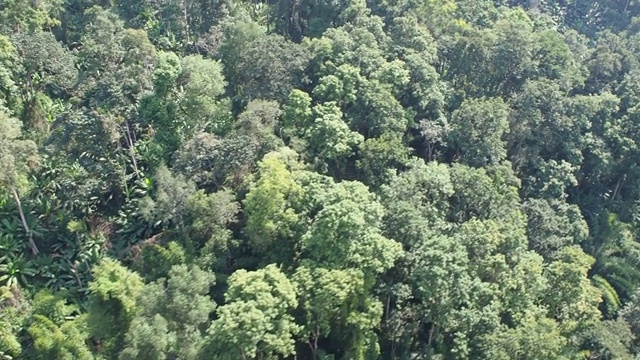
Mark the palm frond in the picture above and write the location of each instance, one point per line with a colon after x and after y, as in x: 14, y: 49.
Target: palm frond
x: 609, y: 294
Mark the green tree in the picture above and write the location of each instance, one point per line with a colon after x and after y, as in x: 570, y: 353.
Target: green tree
x: 209, y: 218
x: 214, y: 162
x: 297, y: 113
x: 16, y: 157
x: 338, y: 309
x: 330, y: 140
x: 201, y: 83
x: 553, y: 225
x: 485, y: 193
x: 416, y: 201
x: 23, y: 16
x: 610, y: 339
x: 156, y: 261
x: 186, y: 101
x: 54, y: 334
x: 112, y: 305
x: 255, y: 321
x: 513, y: 54
x: 9, y: 91
x: 259, y: 65
x: 537, y: 338
x: 379, y: 157
x: 14, y: 312
x: 479, y: 127
x: 169, y: 205
x: 615, y: 252
x: 574, y: 301
x: 271, y: 220
x: 171, y: 317
x: 116, y: 64
x: 346, y: 232
x: 45, y: 68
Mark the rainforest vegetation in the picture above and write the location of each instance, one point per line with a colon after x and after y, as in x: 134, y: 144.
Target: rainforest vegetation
x: 319, y: 179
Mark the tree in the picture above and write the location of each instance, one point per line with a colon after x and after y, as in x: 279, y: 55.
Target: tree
x: 553, y: 225
x: 45, y: 68
x: 112, y: 304
x: 454, y: 270
x: 630, y: 313
x: 171, y: 317
x: 514, y: 51
x: 610, y: 339
x: 574, y: 301
x: 169, y: 205
x: 341, y: 85
x: 297, y: 113
x: 470, y: 285
x: 381, y: 156
x: 485, y: 193
x: 556, y: 61
x: 416, y: 47
x: 23, y: 16
x: 116, y: 66
x: 337, y: 309
x: 541, y: 109
x: 116, y: 63
x: 210, y: 215
x: 538, y: 338
x: 479, y: 126
x: 53, y: 334
x: 330, y: 140
x: 186, y: 102
x: 9, y: 91
x: 14, y: 312
x: 16, y: 157
x: 335, y: 303
x: 90, y: 142
x: 615, y: 252
x: 259, y: 65
x: 214, y: 162
x: 346, y: 232
x: 155, y: 261
x: 271, y: 221
x: 417, y: 202
x: 377, y: 110
x: 255, y: 321
x: 201, y: 83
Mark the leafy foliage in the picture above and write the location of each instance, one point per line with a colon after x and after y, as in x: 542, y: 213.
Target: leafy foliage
x: 432, y: 179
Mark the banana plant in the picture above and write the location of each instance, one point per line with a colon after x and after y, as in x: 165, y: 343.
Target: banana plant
x: 10, y: 246
x: 16, y: 271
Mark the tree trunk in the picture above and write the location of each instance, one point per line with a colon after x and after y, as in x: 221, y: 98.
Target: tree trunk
x: 33, y: 246
x: 431, y: 333
x: 313, y: 342
x: 131, y: 151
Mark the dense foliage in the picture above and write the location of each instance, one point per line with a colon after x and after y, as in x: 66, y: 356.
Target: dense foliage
x: 228, y: 179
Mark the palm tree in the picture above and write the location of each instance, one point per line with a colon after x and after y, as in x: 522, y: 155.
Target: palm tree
x: 617, y: 269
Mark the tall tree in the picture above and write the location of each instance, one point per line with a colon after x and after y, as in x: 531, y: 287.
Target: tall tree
x: 171, y: 316
x: 255, y: 321
x: 112, y: 305
x: 16, y: 156
x: 479, y: 127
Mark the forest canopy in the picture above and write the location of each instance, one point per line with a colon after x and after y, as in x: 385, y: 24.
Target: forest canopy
x: 320, y: 179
